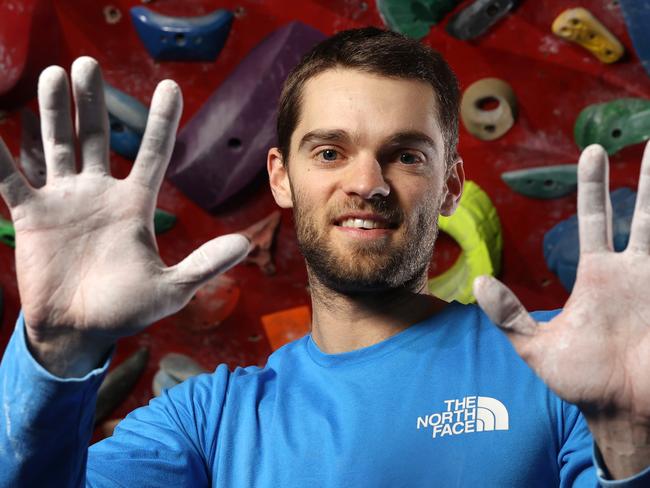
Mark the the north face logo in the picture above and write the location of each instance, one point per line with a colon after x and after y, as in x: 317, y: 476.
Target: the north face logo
x: 465, y: 415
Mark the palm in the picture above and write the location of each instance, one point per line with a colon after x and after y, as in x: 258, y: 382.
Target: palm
x: 596, y: 352
x: 86, y: 255
x: 101, y: 252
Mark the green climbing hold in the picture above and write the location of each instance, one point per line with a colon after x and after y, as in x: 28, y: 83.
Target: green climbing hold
x: 7, y: 233
x: 614, y: 125
x: 163, y: 221
x: 543, y: 182
x: 414, y: 18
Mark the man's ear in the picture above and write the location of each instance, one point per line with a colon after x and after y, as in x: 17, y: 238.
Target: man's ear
x: 454, y: 188
x: 279, y: 178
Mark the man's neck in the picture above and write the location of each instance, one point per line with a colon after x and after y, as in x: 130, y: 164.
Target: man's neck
x: 343, y: 322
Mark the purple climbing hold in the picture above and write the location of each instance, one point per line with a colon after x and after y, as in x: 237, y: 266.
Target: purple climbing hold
x: 224, y: 145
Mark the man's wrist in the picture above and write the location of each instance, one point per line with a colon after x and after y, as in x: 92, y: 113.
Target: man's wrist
x: 623, y: 443
x: 70, y: 354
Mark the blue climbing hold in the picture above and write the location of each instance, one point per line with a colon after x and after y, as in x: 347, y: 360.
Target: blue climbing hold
x: 562, y: 245
x: 182, y: 38
x: 637, y: 17
x: 125, y: 141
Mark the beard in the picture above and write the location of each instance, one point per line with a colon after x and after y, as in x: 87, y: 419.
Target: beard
x: 370, y: 266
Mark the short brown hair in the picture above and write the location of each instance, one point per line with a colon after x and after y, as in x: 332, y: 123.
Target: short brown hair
x: 379, y: 52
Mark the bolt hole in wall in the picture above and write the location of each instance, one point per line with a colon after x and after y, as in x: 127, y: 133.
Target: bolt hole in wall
x: 112, y: 14
x: 492, y: 10
x: 234, y: 143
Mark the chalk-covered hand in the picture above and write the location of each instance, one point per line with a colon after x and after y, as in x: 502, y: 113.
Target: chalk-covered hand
x: 87, y: 262
x: 596, y: 352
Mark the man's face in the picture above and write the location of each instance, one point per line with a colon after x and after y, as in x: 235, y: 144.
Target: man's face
x: 367, y: 179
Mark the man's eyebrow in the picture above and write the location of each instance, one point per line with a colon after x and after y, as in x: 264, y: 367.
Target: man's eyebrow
x: 411, y: 137
x: 339, y: 135
x: 329, y: 135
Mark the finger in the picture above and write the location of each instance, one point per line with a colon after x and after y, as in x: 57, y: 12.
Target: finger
x: 56, y: 122
x: 640, y: 230
x: 14, y: 188
x: 32, y: 159
x: 159, y: 136
x: 505, y: 310
x: 594, y: 204
x: 92, y: 117
x: 213, y: 257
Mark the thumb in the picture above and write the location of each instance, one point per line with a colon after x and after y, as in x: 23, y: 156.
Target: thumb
x: 505, y: 310
x: 212, y: 258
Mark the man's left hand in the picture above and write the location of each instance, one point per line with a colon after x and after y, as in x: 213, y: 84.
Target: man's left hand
x: 596, y: 352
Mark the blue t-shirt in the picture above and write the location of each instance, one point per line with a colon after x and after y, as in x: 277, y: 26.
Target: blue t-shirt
x: 446, y: 402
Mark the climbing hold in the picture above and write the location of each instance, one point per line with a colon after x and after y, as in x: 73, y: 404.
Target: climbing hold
x: 31, y: 39
x: 212, y: 304
x: 562, y: 243
x: 286, y: 325
x: 261, y: 234
x: 614, y: 125
x: 163, y: 221
x: 413, y: 18
x: 7, y: 233
x: 637, y: 17
x: 543, y: 182
x: 161, y: 382
x: 126, y: 108
x: 174, y: 369
x: 224, y: 145
x: 128, y: 119
x: 477, y: 18
x: 580, y: 26
x: 119, y: 383
x: 124, y: 140
x: 180, y: 367
x: 488, y: 108
x: 475, y: 226
x: 182, y: 38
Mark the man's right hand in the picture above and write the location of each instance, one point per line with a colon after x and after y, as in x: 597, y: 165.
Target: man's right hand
x: 87, y: 262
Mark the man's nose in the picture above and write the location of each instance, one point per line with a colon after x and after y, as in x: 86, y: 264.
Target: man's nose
x: 365, y: 178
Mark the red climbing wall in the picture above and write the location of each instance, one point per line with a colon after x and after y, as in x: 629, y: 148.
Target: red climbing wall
x: 552, y: 79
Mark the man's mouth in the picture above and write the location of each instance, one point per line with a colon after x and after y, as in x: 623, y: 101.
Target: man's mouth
x: 365, y: 222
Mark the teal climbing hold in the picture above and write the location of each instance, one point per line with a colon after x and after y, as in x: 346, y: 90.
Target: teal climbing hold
x: 163, y: 221
x: 414, y: 18
x: 543, y: 182
x: 614, y: 125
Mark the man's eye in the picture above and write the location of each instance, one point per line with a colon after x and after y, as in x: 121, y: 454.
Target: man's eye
x: 408, y: 158
x: 329, y: 155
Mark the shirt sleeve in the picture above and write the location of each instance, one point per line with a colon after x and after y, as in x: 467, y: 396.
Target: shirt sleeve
x: 640, y: 480
x: 170, y: 442
x: 46, y: 421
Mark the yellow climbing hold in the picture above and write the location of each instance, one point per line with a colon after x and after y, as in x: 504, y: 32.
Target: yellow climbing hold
x: 475, y: 226
x: 580, y: 26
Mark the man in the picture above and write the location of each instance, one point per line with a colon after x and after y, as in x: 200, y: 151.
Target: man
x: 392, y: 387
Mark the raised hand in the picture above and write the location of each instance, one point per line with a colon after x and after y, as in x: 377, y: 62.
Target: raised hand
x: 596, y: 352
x: 87, y: 263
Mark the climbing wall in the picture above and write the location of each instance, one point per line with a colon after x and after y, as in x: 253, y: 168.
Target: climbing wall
x: 553, y: 80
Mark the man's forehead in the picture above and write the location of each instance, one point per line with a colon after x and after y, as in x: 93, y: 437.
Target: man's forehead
x: 343, y: 102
